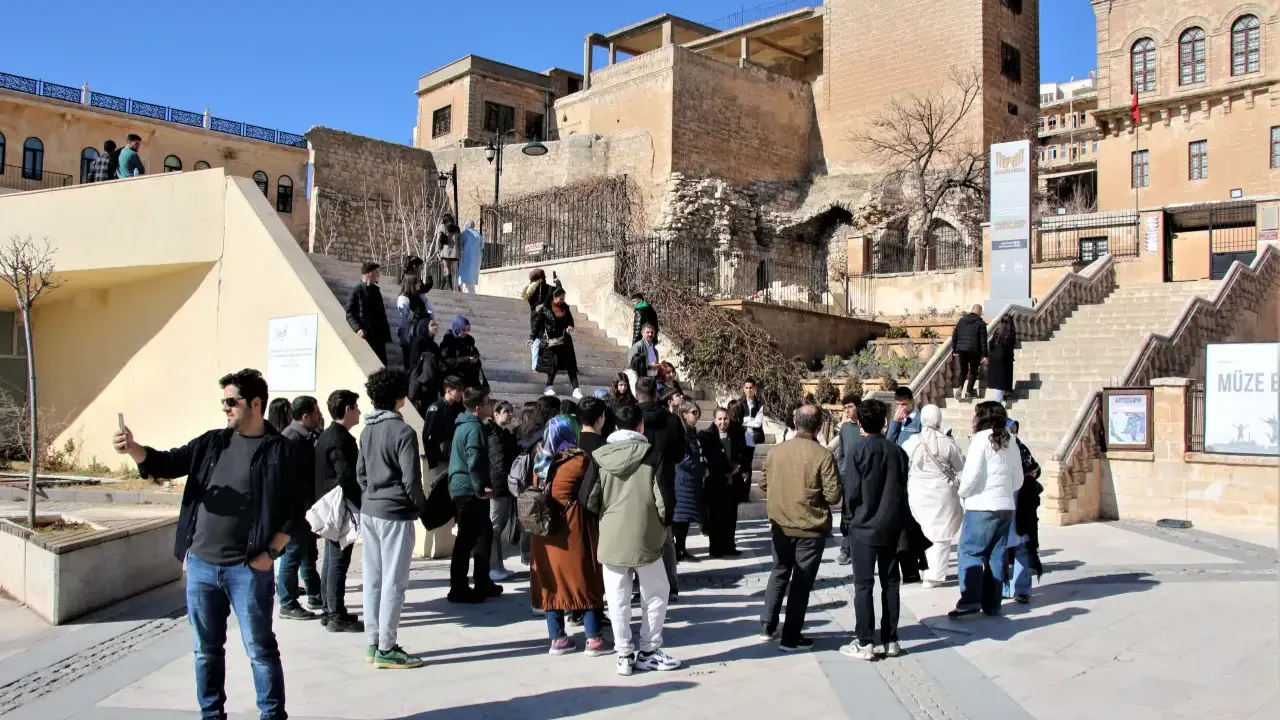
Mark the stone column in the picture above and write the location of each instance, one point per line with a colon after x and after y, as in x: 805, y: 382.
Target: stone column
x: 668, y: 33
x: 613, y: 53
x: 744, y: 51
x: 1169, y: 434
x: 587, y: 47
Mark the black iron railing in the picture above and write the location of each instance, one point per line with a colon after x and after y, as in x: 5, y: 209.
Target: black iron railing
x: 1085, y: 238
x: 119, y: 104
x: 760, y: 12
x: 895, y: 252
x: 16, y: 177
x: 571, y: 221
x: 1195, y: 417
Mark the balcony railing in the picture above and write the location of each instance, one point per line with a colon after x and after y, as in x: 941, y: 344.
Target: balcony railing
x: 16, y: 177
x: 128, y: 106
x: 747, y: 16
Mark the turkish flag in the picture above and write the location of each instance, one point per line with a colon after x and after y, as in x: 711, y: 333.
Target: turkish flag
x: 1137, y: 117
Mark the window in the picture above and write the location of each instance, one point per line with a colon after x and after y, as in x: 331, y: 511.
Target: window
x: 201, y: 165
x: 1014, y: 5
x: 260, y: 179
x: 1092, y: 248
x: 1143, y: 57
x: 442, y: 121
x: 284, y: 194
x: 33, y: 159
x: 1053, y: 123
x: 172, y: 164
x: 1198, y: 159
x: 1040, y: 124
x: 1191, y: 63
x: 1095, y: 147
x: 533, y: 126
x: 13, y: 336
x: 575, y: 85
x: 87, y: 156
x: 1275, y: 147
x: 499, y: 118
x: 1010, y: 62
x: 1140, y: 175
x: 1084, y: 118
x: 1053, y: 152
x: 1, y: 153
x: 1246, y: 45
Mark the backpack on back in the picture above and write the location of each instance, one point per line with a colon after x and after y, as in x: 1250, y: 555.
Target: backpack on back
x: 537, y: 513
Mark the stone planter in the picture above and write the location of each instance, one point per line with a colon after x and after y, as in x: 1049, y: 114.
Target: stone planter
x: 810, y: 385
x: 944, y: 326
x: 901, y: 347
x: 64, y: 574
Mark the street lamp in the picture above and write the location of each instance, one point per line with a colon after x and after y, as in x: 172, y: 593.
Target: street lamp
x: 443, y: 179
x: 493, y: 154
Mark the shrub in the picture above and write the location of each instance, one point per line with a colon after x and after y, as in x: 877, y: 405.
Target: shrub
x: 895, y: 333
x: 928, y: 333
x: 852, y: 386
x: 827, y: 394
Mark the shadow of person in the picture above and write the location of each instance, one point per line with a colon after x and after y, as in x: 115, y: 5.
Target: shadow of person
x: 554, y: 704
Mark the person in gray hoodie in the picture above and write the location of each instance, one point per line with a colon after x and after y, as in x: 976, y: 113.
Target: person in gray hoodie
x: 630, y: 500
x: 390, y: 476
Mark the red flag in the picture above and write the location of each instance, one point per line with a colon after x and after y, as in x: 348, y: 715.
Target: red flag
x: 1137, y: 117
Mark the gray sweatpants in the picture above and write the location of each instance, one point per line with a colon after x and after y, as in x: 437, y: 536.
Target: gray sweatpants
x: 388, y: 548
x: 500, y: 509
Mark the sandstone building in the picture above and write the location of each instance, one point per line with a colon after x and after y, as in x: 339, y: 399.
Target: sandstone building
x: 1067, y: 135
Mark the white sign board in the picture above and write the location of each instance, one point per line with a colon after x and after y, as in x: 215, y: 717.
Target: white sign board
x: 1152, y: 233
x: 1127, y: 419
x: 291, y: 353
x: 1241, y: 398
x: 1010, y: 226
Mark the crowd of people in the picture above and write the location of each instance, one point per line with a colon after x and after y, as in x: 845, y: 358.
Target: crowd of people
x: 595, y: 495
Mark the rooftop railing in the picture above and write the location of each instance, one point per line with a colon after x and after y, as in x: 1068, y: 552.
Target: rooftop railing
x: 747, y: 15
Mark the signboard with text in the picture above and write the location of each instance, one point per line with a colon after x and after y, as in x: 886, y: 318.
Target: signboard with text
x: 1241, y: 398
x: 291, y: 354
x: 1010, y: 226
x: 1128, y: 417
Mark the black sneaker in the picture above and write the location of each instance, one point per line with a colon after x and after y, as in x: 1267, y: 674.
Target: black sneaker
x: 295, y: 612
x: 315, y: 603
x: 799, y: 644
x: 1022, y: 599
x: 465, y: 596
x: 348, y: 624
x: 961, y: 612
x: 733, y: 552
x: 488, y: 590
x: 573, y: 618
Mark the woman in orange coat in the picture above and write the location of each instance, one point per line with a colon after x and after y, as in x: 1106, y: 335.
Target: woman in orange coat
x: 564, y: 573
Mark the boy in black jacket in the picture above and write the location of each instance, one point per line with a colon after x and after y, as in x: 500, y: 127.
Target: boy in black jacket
x: 366, y: 313
x: 336, y: 456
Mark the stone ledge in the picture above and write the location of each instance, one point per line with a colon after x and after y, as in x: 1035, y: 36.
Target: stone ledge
x: 1134, y: 455
x: 1171, y: 382
x: 1237, y: 460
x: 543, y: 263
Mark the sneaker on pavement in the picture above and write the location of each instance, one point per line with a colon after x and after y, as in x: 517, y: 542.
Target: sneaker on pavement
x: 315, y: 603
x: 562, y: 646
x: 929, y: 584
x: 465, y: 596
x: 549, y: 392
x: 799, y: 644
x: 626, y: 664
x: 346, y: 624
x: 499, y: 575
x: 577, y: 394
x: 656, y: 660
x: 843, y: 559
x: 369, y: 652
x: 893, y: 649
x: 597, y: 648
x: 573, y: 618
x: 1022, y: 599
x: 295, y: 612
x: 396, y: 659
x: 858, y: 652
x: 767, y: 634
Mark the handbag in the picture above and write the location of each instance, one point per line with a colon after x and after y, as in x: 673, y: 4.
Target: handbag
x: 946, y: 468
x: 439, y: 509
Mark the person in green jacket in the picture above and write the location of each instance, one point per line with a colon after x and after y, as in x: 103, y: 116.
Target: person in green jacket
x: 470, y: 489
x: 130, y: 161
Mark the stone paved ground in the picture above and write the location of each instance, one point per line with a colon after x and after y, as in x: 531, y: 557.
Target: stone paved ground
x: 1130, y: 622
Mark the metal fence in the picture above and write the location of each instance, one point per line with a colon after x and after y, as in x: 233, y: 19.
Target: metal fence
x: 16, y: 177
x: 716, y: 273
x: 564, y: 222
x: 119, y: 104
x: 1195, y: 417
x: 1085, y: 238
x: 747, y: 15
x: 943, y: 248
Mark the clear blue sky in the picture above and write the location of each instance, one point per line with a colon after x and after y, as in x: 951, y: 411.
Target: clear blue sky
x: 354, y: 65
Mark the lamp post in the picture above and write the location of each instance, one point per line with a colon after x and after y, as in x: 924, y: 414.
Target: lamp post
x: 493, y: 154
x: 444, y: 179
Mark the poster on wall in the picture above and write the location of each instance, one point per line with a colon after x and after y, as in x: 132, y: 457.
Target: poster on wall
x: 1128, y: 418
x: 291, y: 353
x: 1010, y: 226
x: 1241, y: 398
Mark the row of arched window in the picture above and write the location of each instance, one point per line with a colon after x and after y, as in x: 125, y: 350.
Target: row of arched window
x: 1246, y: 55
x: 32, y: 158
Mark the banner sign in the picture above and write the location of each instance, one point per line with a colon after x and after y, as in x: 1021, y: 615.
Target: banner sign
x: 1241, y: 398
x: 1010, y: 226
x: 1129, y: 418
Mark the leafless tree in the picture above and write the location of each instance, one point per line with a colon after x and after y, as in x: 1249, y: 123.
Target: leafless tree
x: 403, y: 221
x: 27, y: 266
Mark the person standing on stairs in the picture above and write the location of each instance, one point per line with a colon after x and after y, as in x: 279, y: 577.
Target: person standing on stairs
x: 969, y: 341
x: 932, y: 476
x: 459, y: 356
x: 415, y: 313
x: 553, y: 327
x: 666, y: 433
x: 642, y: 357
x: 690, y: 479
x: 538, y: 294
x: 1000, y: 349
x: 366, y: 313
x: 644, y: 315
x: 449, y: 244
x: 428, y: 370
x: 439, y: 424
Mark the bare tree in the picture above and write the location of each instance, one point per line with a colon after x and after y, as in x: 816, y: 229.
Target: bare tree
x: 28, y: 268
x: 404, y: 221
x: 928, y: 145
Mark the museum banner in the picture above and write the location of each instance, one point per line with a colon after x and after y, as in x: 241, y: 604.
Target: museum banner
x: 1241, y: 398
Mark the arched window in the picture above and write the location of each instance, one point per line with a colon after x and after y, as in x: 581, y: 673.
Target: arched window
x: 1191, y: 63
x: 87, y: 156
x: 260, y: 178
x: 172, y: 163
x: 33, y: 159
x: 1246, y: 45
x: 201, y: 165
x: 941, y: 245
x: 1143, y: 57
x: 284, y: 194
x: 1, y: 153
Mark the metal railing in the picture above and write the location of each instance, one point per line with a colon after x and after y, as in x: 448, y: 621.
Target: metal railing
x: 746, y: 15
x: 1195, y: 417
x: 119, y: 104
x: 895, y: 252
x: 571, y: 221
x: 15, y: 177
x: 1085, y: 238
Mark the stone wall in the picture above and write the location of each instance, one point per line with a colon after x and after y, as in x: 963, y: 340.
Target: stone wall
x: 808, y: 334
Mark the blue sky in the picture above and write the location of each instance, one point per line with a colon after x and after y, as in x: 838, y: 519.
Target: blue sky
x: 349, y: 65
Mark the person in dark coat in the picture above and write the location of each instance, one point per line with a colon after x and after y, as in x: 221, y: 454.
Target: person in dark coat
x: 459, y: 356
x: 538, y: 294
x: 366, y: 313
x: 969, y: 342
x: 690, y: 475
x: 336, y: 456
x: 1000, y: 348
x: 720, y: 450
x: 504, y: 448
x: 553, y: 328
x: 665, y: 432
x: 644, y: 315
x: 428, y: 369
x: 1023, y: 556
x: 300, y: 555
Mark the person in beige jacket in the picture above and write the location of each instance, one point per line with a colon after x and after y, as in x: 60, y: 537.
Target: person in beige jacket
x: 801, y: 486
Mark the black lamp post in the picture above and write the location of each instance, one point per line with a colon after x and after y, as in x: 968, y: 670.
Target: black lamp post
x: 444, y: 179
x: 493, y: 153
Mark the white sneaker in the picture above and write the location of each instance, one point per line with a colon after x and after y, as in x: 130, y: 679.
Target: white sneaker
x: 499, y: 575
x: 577, y: 394
x: 893, y: 649
x: 858, y: 652
x: 656, y: 660
x: 929, y: 584
x: 550, y: 391
x: 626, y: 664
x: 956, y: 393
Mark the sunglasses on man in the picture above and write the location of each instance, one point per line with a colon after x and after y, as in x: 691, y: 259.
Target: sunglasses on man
x: 231, y: 402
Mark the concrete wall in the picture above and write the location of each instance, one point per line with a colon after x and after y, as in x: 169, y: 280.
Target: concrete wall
x: 808, y: 334
x: 915, y: 293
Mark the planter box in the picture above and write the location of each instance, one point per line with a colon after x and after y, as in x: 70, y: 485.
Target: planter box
x: 810, y: 385
x: 898, y: 347
x: 913, y: 325
x: 65, y: 574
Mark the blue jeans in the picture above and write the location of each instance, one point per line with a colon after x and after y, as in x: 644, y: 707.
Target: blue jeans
x: 213, y: 591
x: 1020, y: 583
x: 984, y: 535
x: 590, y: 623
x: 298, y: 559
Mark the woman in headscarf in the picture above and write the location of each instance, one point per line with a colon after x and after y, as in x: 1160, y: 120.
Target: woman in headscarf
x: 469, y: 266
x: 1023, y: 557
x: 553, y: 326
x: 932, y: 478
x: 564, y: 575
x: 459, y: 355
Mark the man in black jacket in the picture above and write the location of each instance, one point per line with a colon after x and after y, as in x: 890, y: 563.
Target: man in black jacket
x: 439, y: 423
x: 300, y: 555
x: 875, y: 491
x: 335, y: 457
x: 644, y: 315
x: 239, y: 507
x: 665, y: 432
x: 504, y: 448
x: 366, y: 313
x: 969, y: 340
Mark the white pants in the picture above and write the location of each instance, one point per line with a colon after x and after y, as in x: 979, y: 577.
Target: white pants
x: 388, y: 549
x: 653, y: 605
x: 938, y: 556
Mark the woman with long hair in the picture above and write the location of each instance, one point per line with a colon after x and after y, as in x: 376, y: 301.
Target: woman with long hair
x: 458, y: 353
x: 620, y: 391
x: 1000, y: 350
x: 280, y: 413
x: 448, y: 242
x: 415, y: 311
x: 992, y: 475
x: 933, y: 474
x: 691, y: 475
x: 553, y: 326
x: 1023, y: 556
x: 564, y: 574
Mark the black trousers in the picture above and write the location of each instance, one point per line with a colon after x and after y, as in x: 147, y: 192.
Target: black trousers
x: 795, y: 568
x: 379, y: 348
x: 844, y: 534
x: 721, y: 524
x: 474, y: 541
x: 573, y: 378
x: 868, y: 561
x: 682, y: 533
x: 337, y: 560
x: 970, y: 362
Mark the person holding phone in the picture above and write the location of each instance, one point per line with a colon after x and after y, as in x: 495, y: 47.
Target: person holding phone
x: 239, y: 507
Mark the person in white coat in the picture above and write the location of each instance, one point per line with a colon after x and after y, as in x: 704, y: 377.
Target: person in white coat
x: 992, y: 475
x: 932, y: 482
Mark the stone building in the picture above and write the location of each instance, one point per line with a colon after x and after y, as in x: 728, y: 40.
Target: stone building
x: 49, y: 133
x: 1067, y: 136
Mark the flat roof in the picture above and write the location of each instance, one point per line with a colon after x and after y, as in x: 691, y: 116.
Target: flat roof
x: 639, y: 38
x: 794, y: 35
x: 481, y: 65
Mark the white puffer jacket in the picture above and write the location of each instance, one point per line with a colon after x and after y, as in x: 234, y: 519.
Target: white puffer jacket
x: 990, y: 478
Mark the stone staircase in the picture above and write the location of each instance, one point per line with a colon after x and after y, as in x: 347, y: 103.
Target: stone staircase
x: 1088, y: 351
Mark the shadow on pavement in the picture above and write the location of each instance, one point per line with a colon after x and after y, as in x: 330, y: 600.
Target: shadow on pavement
x: 570, y: 702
